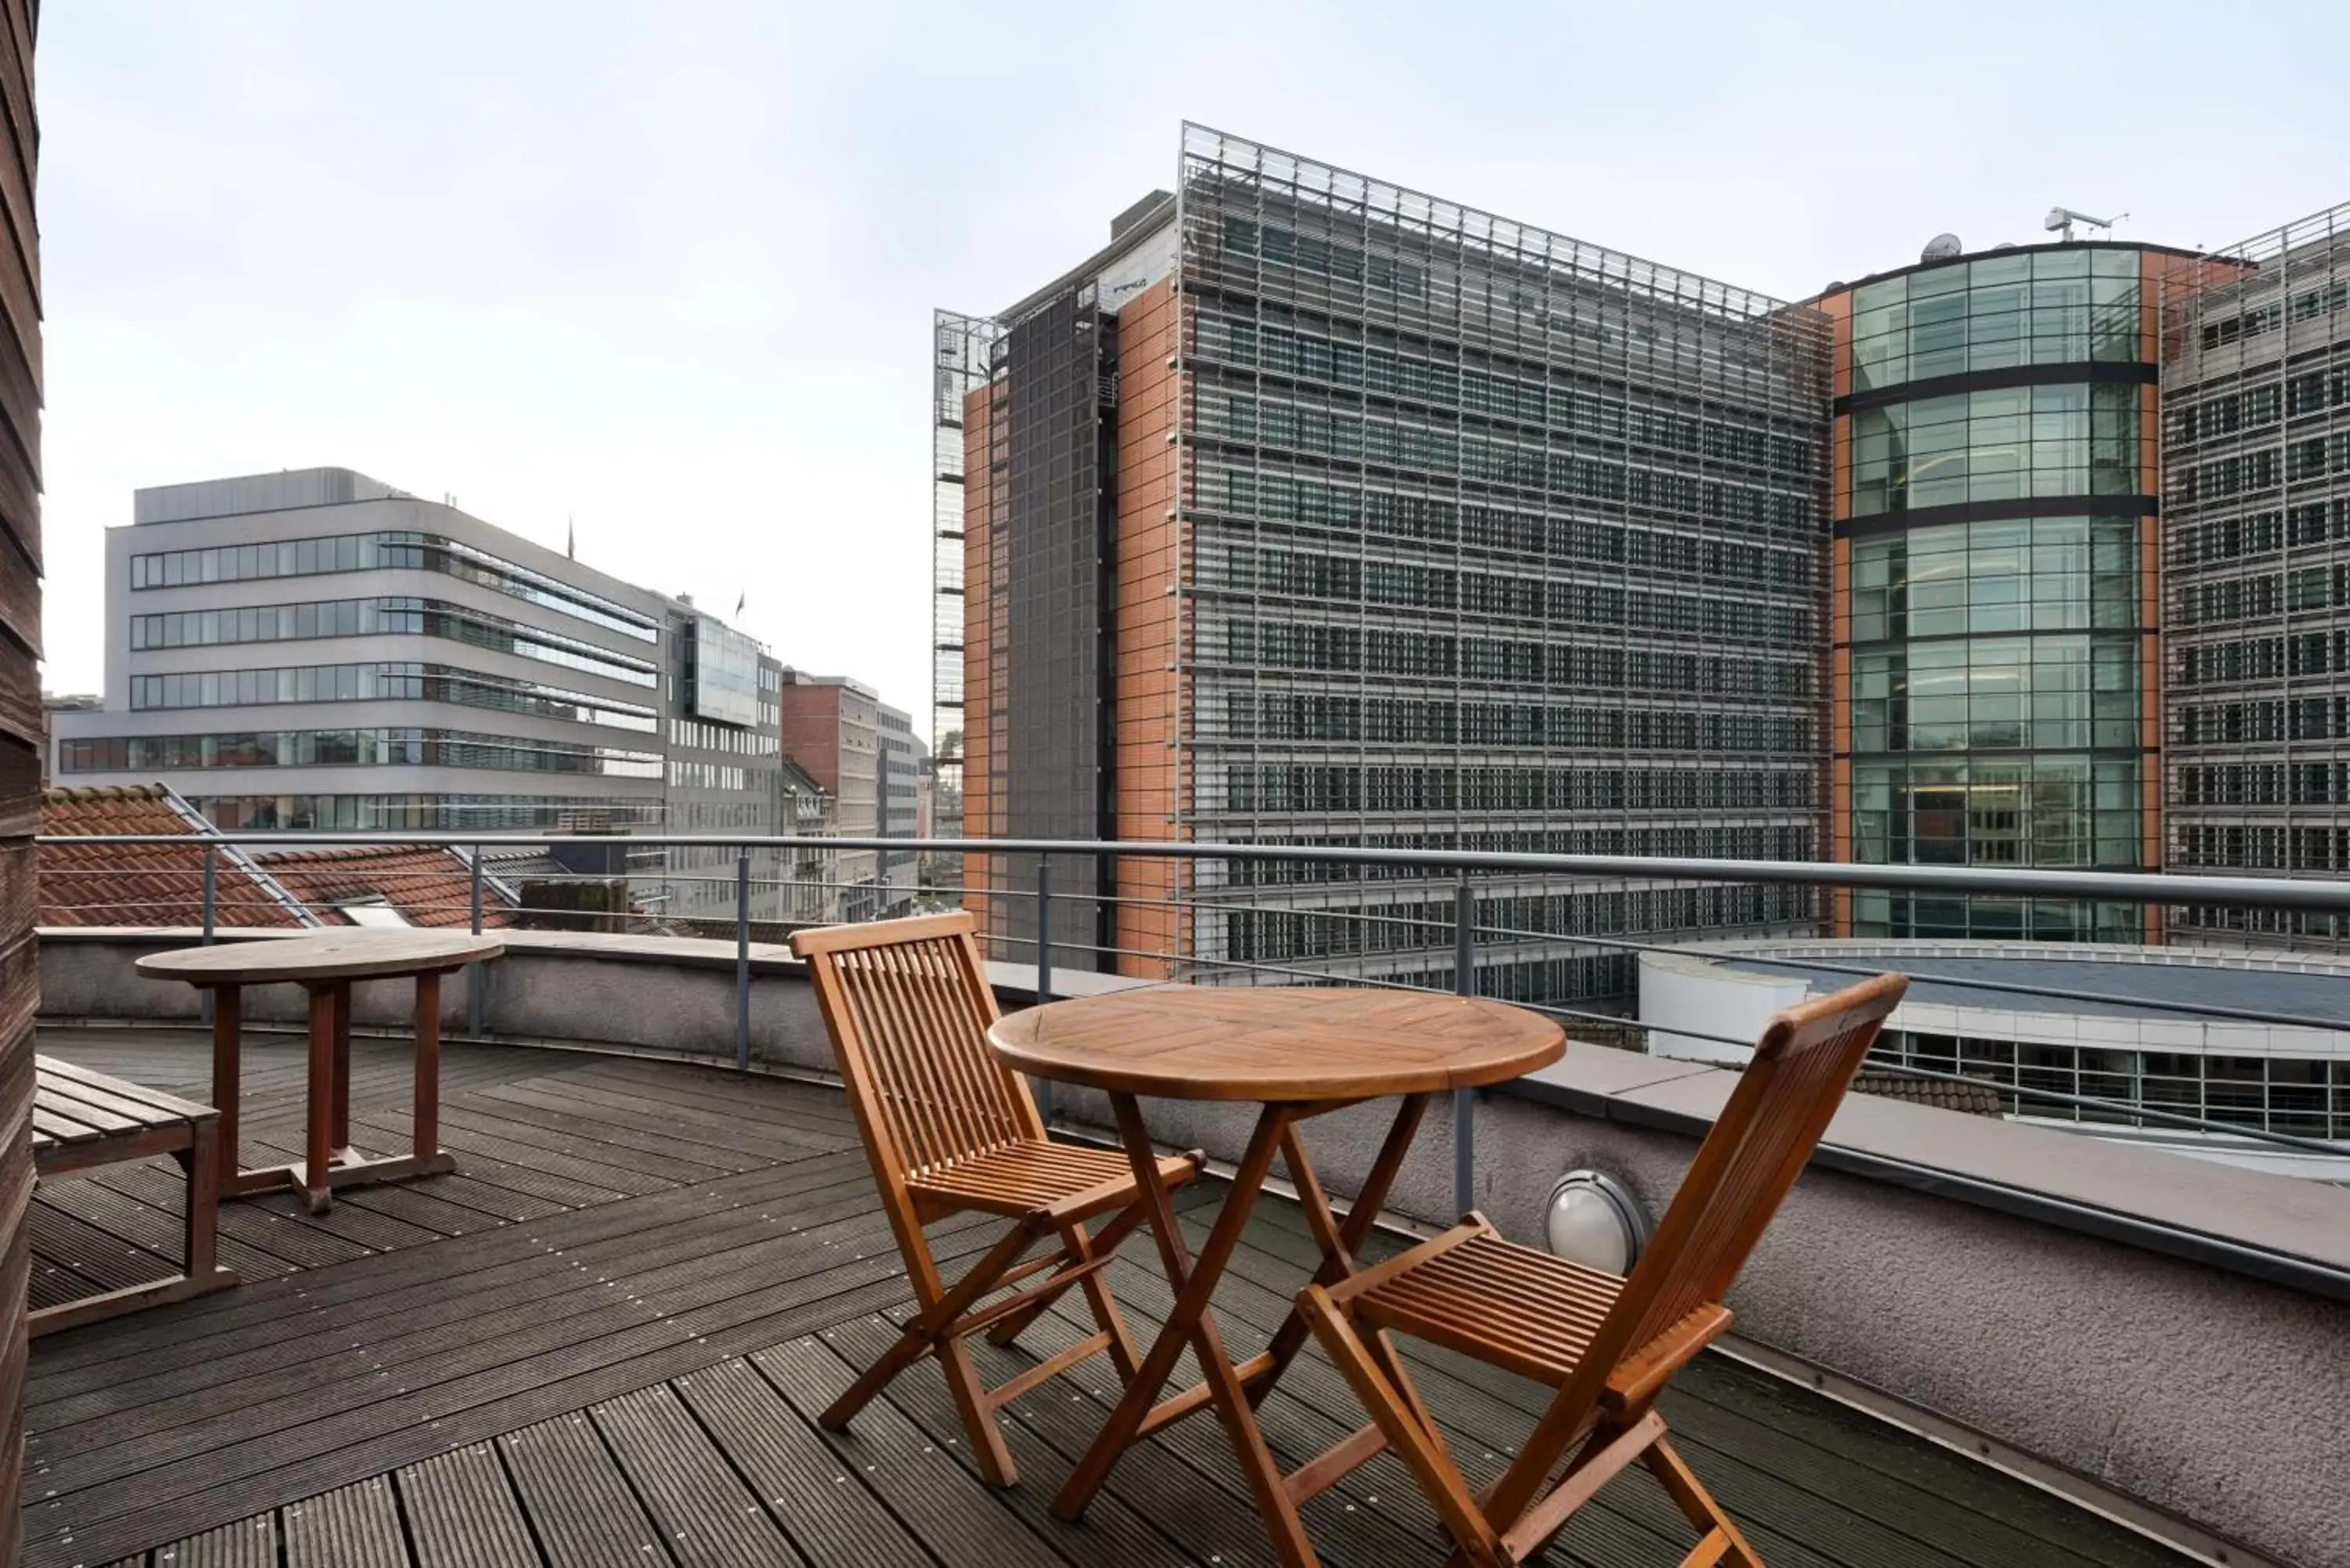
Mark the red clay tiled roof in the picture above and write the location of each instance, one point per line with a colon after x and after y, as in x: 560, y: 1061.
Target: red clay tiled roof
x: 431, y: 887
x: 144, y: 883
x: 1975, y: 1099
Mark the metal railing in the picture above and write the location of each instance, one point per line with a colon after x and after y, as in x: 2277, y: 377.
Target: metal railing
x: 235, y: 886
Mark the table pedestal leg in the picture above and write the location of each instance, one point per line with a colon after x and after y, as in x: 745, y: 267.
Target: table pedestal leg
x: 317, y: 1148
x: 341, y: 1132
x: 227, y: 1077
x: 426, y: 1119
x: 1191, y: 1322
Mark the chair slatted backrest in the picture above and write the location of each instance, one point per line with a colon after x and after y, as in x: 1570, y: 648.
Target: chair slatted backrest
x: 1784, y: 1101
x: 909, y: 1005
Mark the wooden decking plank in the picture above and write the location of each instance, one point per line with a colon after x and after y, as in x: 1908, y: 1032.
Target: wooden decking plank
x: 53, y: 1283
x: 830, y: 1514
x: 89, y: 1251
x: 74, y: 1361
x: 246, y: 1544
x: 355, y: 1526
x: 1626, y: 1522
x: 376, y: 1232
x: 1844, y: 1438
x: 646, y: 1149
x: 1160, y: 1514
x: 450, y: 1312
x: 294, y: 1246
x: 415, y: 1202
x: 1344, y: 1530
x: 818, y: 1113
x: 708, y: 1518
x: 463, y: 1513
x: 578, y: 1502
x: 709, y: 1078
x: 526, y: 1143
x: 476, y: 1163
x: 156, y: 1230
x: 1757, y: 1479
x: 465, y: 1189
x: 327, y: 1454
x: 689, y: 1128
x: 944, y: 1505
x: 350, y: 1364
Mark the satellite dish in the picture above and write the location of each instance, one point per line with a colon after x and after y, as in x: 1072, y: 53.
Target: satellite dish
x: 1941, y: 248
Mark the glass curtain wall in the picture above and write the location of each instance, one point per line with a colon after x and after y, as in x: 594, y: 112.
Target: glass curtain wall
x: 1991, y: 501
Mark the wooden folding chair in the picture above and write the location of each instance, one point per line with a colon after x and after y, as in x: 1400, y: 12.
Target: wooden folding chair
x: 949, y: 1129
x: 1606, y: 1343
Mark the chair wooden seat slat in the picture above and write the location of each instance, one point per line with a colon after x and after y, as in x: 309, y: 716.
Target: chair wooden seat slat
x: 1607, y: 1344
x: 83, y: 1120
x: 949, y: 1129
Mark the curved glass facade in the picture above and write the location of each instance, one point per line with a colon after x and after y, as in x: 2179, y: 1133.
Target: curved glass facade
x: 1993, y: 593
x: 2061, y: 306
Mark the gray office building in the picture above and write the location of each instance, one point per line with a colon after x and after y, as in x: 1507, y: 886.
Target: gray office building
x: 316, y: 650
x: 2256, y: 656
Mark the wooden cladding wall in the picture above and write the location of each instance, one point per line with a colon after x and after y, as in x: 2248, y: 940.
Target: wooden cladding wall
x: 20, y: 716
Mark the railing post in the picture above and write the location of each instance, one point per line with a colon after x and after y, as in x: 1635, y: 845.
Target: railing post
x: 475, y: 973
x: 1044, y: 966
x: 1465, y: 1101
x: 742, y: 960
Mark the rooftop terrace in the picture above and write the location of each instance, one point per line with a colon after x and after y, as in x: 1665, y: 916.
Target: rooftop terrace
x: 601, y: 1343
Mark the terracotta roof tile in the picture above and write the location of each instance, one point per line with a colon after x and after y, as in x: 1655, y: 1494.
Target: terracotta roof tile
x: 144, y: 883
x: 1974, y: 1099
x: 431, y: 887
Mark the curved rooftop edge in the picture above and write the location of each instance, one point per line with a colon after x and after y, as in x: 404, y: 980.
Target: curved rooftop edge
x: 2057, y: 1295
x: 586, y: 989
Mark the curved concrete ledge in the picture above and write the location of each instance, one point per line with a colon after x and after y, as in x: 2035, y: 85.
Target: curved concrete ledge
x: 2013, y: 1279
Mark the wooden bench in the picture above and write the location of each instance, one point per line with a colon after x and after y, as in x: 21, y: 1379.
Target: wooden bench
x: 83, y: 1120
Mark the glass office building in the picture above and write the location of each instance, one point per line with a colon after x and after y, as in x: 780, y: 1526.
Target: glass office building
x: 1996, y: 517
x: 1314, y: 510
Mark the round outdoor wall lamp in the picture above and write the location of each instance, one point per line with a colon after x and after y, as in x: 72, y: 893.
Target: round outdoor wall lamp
x: 1593, y: 1218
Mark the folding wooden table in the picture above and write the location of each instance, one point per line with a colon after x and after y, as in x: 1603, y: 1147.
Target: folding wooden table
x: 1298, y: 1052
x: 324, y: 964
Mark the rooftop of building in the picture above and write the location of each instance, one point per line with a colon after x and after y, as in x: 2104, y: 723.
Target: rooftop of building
x: 109, y: 884
x: 149, y: 884
x: 421, y: 885
x: 1961, y: 257
x: 287, y: 489
x: 2097, y: 980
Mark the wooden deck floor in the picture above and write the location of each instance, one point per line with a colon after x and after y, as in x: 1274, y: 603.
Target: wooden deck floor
x: 603, y: 1340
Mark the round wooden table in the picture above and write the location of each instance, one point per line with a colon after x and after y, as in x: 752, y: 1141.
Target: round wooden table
x: 1298, y: 1052
x: 325, y: 965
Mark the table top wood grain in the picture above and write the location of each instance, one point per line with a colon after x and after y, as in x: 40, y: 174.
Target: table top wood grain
x: 355, y: 954
x: 1276, y: 1043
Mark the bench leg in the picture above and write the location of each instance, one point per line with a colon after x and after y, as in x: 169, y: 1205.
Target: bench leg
x: 202, y: 1232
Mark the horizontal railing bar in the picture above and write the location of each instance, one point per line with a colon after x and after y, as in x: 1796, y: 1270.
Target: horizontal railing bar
x: 2328, y: 895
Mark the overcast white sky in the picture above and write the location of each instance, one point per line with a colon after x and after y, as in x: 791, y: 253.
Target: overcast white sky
x: 669, y: 268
